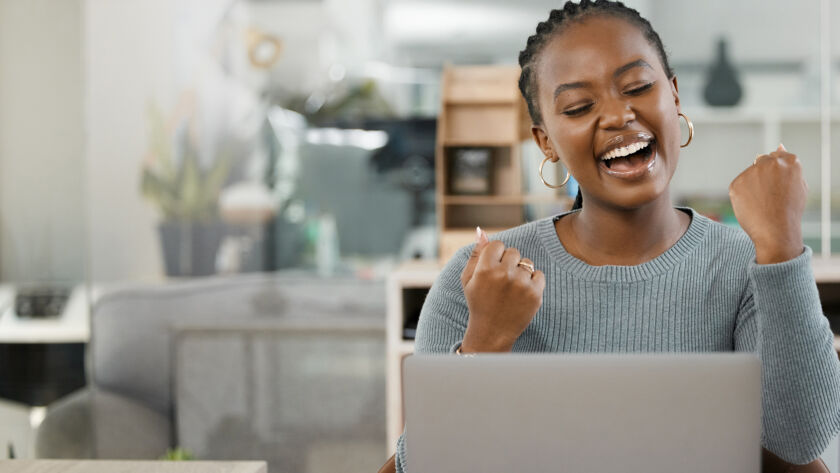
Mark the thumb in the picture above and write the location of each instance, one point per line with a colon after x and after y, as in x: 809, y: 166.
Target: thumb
x: 481, y: 241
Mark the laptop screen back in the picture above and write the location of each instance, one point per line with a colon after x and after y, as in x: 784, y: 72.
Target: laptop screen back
x: 639, y: 413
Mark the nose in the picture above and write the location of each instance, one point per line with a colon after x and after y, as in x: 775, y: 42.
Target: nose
x: 617, y: 113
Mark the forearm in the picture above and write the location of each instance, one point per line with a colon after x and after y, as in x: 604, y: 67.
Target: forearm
x: 770, y: 463
x: 801, y: 381
x: 389, y: 466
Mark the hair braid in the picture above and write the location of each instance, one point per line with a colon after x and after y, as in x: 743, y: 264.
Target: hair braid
x: 573, y: 12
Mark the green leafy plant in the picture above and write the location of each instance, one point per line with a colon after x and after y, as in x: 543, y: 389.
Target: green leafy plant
x: 173, y: 178
x: 178, y: 454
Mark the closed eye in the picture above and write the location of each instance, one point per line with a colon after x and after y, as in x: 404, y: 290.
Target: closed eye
x: 639, y: 90
x: 577, y: 111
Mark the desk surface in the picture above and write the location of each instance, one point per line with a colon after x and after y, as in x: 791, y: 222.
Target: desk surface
x: 115, y: 466
x: 72, y: 327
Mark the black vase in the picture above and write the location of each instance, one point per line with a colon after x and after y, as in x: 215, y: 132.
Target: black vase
x: 189, y: 248
x: 722, y: 86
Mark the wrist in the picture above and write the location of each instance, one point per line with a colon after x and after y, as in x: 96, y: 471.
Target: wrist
x: 473, y: 343
x: 777, y: 255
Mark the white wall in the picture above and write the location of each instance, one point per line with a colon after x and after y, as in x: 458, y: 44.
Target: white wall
x: 136, y: 54
x: 128, y: 63
x: 41, y: 141
x: 759, y: 30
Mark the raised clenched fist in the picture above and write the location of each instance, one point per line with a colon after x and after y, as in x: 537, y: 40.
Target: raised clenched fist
x: 502, y: 296
x: 769, y: 199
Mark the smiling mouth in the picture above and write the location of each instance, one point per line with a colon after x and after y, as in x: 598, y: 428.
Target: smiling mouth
x: 630, y: 160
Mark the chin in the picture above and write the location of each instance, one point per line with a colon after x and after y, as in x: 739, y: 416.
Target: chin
x: 636, y: 198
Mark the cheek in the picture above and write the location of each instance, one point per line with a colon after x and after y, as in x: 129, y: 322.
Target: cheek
x: 574, y: 145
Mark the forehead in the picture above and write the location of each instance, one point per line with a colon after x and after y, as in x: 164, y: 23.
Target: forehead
x: 591, y: 48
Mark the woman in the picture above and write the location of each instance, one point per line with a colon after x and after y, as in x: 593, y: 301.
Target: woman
x: 628, y: 272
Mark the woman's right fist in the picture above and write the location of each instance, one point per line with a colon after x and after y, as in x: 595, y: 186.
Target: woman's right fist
x: 502, y: 296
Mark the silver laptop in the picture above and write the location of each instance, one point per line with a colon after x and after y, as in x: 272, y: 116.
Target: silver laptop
x: 640, y: 413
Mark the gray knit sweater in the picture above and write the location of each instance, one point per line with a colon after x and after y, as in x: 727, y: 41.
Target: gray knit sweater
x: 704, y: 294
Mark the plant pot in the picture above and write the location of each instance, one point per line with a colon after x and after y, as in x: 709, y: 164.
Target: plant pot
x: 190, y: 248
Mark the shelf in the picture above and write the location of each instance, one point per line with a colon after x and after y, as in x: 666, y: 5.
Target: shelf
x: 826, y: 270
x: 736, y: 115
x: 479, y: 144
x: 407, y: 348
x: 480, y: 101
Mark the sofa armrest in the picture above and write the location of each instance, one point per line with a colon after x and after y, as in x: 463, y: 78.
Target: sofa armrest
x: 92, y: 423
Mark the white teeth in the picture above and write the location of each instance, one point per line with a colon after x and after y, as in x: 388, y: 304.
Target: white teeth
x: 625, y: 150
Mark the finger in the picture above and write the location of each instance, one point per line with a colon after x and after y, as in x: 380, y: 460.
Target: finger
x: 782, y: 152
x: 522, y: 271
x: 490, y: 255
x: 511, y: 257
x: 469, y: 269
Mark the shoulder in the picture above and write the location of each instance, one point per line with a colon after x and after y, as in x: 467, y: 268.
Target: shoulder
x: 724, y: 245
x: 525, y: 236
x: 725, y: 238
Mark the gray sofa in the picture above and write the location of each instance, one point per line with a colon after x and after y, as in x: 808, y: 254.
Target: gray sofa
x: 193, y: 343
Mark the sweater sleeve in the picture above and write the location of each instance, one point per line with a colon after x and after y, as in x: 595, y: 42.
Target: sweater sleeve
x: 443, y: 321
x: 781, y: 320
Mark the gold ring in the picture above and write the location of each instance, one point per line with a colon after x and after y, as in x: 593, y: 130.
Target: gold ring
x: 526, y: 265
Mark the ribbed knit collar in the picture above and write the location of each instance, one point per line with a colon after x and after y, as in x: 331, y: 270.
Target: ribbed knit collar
x: 690, y: 240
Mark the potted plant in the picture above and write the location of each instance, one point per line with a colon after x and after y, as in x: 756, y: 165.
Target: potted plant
x: 186, y: 193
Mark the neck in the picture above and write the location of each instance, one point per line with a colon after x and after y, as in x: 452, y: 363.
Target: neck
x: 601, y: 235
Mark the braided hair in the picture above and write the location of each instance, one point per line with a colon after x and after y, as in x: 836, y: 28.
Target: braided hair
x: 557, y: 20
x: 575, y: 13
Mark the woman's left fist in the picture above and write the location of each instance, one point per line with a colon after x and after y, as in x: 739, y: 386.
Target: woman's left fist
x: 769, y: 199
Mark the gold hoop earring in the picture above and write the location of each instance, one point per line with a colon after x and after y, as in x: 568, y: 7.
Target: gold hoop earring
x: 568, y: 175
x: 690, y: 129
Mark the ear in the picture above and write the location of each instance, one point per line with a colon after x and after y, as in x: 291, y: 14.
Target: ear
x: 541, y: 138
x: 675, y: 92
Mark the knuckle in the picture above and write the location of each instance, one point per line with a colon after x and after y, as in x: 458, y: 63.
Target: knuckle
x: 495, y: 244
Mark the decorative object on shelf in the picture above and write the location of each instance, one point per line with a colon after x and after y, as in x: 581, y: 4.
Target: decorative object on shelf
x: 722, y: 87
x: 187, y: 195
x: 263, y: 49
x: 471, y: 170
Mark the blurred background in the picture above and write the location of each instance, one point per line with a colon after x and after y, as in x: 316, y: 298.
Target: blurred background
x: 149, y: 145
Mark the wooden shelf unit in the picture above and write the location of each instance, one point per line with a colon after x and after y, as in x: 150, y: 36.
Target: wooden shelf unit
x: 406, y: 288
x: 482, y: 108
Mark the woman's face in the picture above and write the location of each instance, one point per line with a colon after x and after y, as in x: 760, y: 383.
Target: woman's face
x: 603, y: 93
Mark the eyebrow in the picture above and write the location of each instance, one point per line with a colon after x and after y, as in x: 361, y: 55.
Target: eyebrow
x: 621, y: 70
